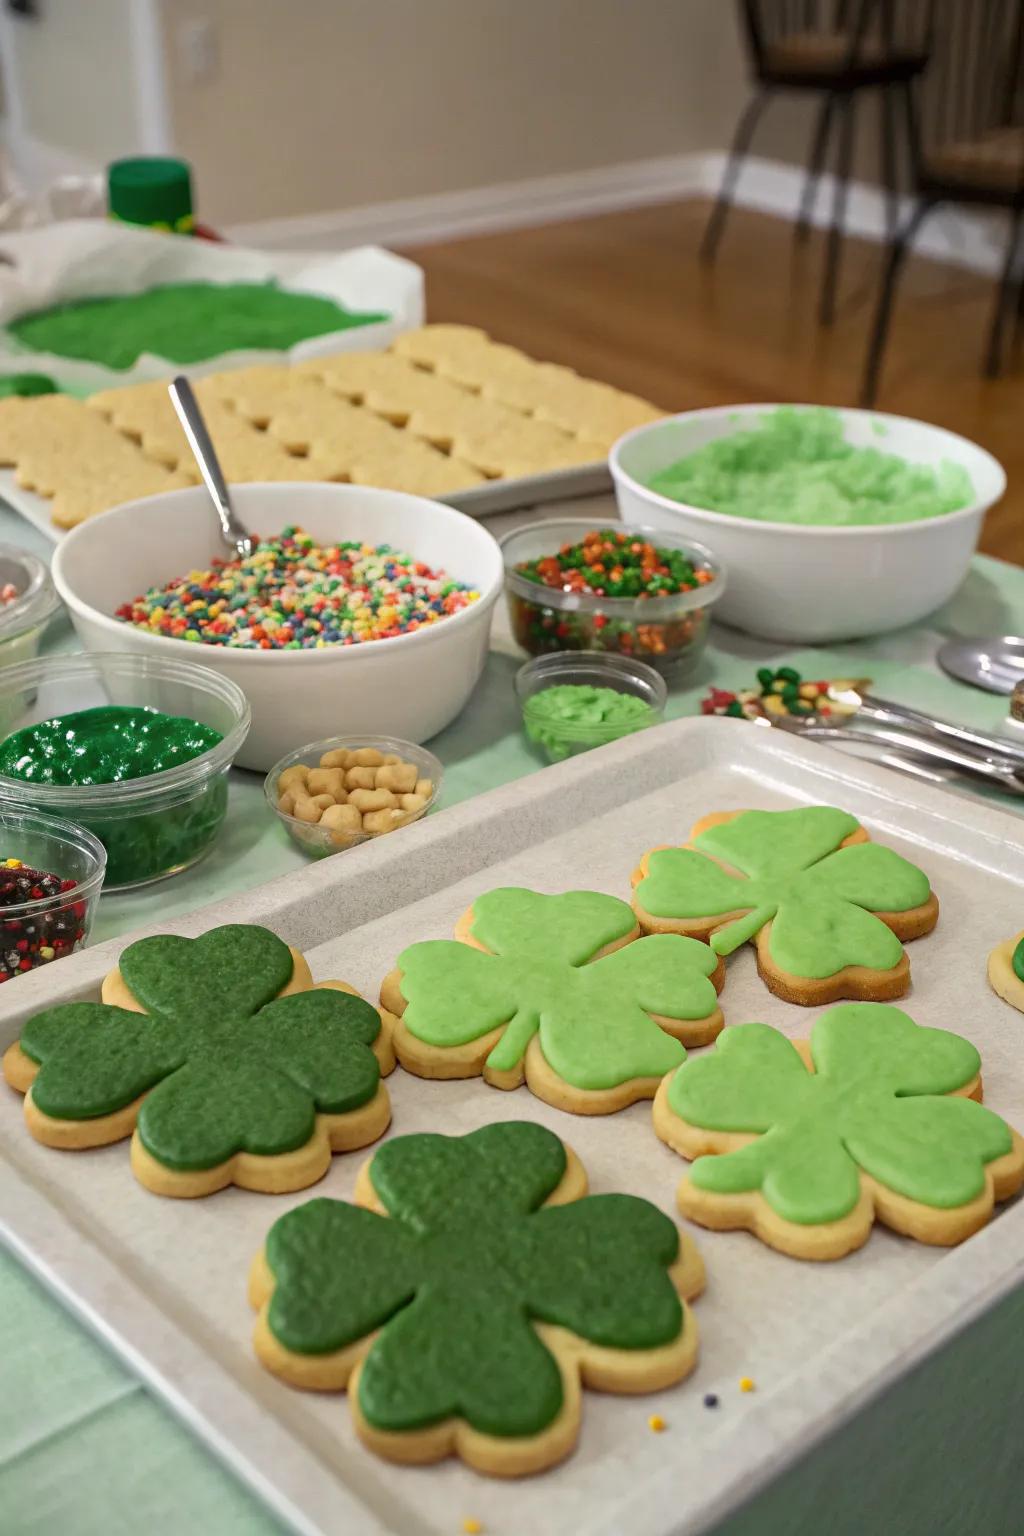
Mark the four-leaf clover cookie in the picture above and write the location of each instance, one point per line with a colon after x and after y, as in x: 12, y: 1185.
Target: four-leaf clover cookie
x: 807, y: 1143
x: 469, y: 1292
x: 829, y: 910
x: 1006, y: 970
x: 219, y: 1058
x: 558, y: 990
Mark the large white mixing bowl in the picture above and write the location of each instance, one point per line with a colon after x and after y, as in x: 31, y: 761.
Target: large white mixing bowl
x: 791, y: 582
x: 409, y: 686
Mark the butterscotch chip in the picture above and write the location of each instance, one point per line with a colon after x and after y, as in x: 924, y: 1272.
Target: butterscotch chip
x: 400, y: 777
x: 307, y: 810
x: 425, y: 787
x: 382, y: 820
x: 366, y: 757
x: 412, y: 802
x: 342, y: 818
x: 336, y: 759
x: 286, y: 802
x: 330, y: 781
x: 372, y: 799
x: 360, y: 778
x: 296, y: 775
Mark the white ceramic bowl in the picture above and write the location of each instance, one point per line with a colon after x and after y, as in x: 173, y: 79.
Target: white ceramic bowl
x: 409, y: 686
x: 797, y: 583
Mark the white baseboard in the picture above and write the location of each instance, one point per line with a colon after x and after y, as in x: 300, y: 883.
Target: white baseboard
x: 954, y: 235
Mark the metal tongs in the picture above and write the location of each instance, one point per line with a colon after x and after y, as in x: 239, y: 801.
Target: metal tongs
x: 914, y: 742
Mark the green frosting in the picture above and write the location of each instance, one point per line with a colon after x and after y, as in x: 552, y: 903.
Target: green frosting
x: 1017, y: 961
x: 594, y: 1020
x: 795, y: 466
x: 183, y: 322
x: 105, y: 745
x: 563, y: 717
x: 26, y: 384
x: 820, y: 898
x: 226, y: 1065
x: 460, y: 1270
x: 874, y: 1104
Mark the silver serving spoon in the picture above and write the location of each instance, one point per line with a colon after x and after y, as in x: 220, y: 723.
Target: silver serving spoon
x: 995, y: 663
x: 191, y: 417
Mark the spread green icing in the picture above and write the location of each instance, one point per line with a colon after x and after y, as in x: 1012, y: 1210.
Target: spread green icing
x: 874, y: 1104
x: 461, y: 1269
x: 593, y: 1019
x: 105, y: 745
x: 226, y: 1065
x: 184, y: 322
x: 1017, y: 961
x: 787, y: 868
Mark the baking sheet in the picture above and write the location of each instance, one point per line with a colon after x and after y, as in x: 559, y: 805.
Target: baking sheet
x: 480, y: 501
x: 165, y: 1281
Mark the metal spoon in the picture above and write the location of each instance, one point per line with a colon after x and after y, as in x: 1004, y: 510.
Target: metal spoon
x: 994, y: 663
x: 194, y: 427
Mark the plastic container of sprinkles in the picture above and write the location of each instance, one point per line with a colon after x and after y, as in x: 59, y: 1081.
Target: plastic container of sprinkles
x: 666, y: 631
x: 51, y: 874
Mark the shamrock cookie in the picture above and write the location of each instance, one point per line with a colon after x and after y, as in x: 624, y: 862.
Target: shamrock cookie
x: 469, y: 1292
x: 828, y: 908
x: 1006, y: 971
x: 218, y: 1057
x: 558, y: 990
x: 806, y: 1143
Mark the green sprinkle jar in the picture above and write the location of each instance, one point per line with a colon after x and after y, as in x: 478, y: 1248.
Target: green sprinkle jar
x: 158, y: 823
x: 573, y: 702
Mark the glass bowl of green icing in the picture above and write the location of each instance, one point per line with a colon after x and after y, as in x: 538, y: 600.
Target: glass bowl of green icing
x: 574, y: 701
x: 136, y: 750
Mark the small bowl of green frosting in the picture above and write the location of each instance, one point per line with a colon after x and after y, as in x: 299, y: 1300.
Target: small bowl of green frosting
x: 572, y: 702
x: 137, y: 751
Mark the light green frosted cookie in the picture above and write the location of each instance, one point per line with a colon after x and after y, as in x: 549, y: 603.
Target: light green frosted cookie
x: 828, y: 909
x: 807, y: 1143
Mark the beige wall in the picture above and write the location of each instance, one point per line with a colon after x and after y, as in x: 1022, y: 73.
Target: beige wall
x: 74, y: 75
x: 327, y: 104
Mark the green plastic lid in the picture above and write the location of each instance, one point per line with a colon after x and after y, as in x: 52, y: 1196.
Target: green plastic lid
x: 156, y: 191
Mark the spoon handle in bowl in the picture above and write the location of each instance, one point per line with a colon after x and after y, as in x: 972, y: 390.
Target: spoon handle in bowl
x: 191, y: 417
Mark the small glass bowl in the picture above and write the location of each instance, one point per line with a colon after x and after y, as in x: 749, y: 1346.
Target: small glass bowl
x: 24, y: 619
x: 33, y: 933
x: 320, y: 841
x: 154, y: 826
x: 667, y: 632
x: 557, y: 740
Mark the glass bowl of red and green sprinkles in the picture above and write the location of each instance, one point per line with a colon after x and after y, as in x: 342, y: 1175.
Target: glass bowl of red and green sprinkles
x: 572, y: 586
x: 293, y: 593
x: 51, y: 874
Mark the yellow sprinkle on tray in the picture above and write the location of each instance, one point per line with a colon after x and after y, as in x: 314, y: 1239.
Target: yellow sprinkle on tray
x: 795, y: 466
x: 657, y: 1423
x: 746, y: 1385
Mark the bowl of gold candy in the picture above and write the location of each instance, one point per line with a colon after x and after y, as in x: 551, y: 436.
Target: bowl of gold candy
x: 344, y: 790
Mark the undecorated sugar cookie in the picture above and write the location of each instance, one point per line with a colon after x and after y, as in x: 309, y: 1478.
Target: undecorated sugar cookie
x: 559, y: 991
x: 827, y: 909
x: 807, y: 1143
x: 1006, y: 970
x: 218, y: 1057
x: 468, y: 1294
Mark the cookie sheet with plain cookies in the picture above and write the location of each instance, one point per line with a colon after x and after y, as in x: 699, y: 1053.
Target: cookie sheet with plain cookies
x: 172, y: 1281
x: 500, y: 431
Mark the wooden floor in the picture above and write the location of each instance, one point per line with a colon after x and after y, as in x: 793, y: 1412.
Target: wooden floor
x: 623, y: 298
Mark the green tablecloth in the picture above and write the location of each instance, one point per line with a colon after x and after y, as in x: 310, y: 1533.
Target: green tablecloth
x: 85, y: 1449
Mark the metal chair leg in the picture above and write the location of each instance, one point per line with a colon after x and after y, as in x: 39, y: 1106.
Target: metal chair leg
x: 809, y: 195
x: 890, y: 177
x: 1004, y: 297
x: 740, y: 144
x: 880, y: 331
x: 827, y: 310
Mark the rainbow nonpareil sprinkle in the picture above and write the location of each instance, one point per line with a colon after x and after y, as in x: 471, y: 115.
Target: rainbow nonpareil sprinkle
x: 294, y: 594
